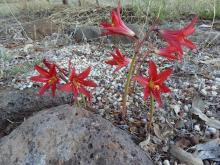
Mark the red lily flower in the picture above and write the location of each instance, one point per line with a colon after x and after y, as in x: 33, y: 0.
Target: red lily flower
x: 118, y: 59
x: 77, y: 83
x: 171, y: 52
x: 117, y: 26
x: 50, y: 78
x: 154, y: 84
x: 180, y: 36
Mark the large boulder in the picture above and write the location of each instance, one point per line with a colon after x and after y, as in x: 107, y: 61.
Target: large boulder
x: 15, y: 105
x: 65, y: 135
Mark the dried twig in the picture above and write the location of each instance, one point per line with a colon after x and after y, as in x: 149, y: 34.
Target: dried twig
x: 184, y: 156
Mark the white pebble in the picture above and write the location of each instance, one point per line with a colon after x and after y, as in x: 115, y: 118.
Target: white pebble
x: 197, y: 127
x: 214, y: 87
x: 212, y: 130
x: 214, y: 93
x: 204, y: 92
x: 186, y: 108
x: 159, y: 163
x: 176, y: 108
x: 217, y: 79
x: 166, y: 162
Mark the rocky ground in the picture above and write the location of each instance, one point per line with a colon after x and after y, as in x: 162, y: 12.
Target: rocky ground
x: 190, y: 115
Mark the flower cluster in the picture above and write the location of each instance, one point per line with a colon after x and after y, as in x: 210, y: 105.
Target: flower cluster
x: 153, y: 84
x: 76, y: 82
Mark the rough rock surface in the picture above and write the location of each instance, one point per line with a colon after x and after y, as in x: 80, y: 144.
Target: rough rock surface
x: 65, y: 135
x: 16, y: 104
x: 92, y: 33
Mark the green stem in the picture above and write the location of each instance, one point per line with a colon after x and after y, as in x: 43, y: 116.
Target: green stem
x: 151, y: 110
x: 84, y: 101
x: 127, y: 85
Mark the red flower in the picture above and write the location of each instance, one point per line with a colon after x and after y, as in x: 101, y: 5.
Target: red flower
x: 171, y: 52
x: 77, y: 83
x: 180, y: 36
x: 154, y: 84
x: 50, y: 78
x: 119, y: 60
x: 117, y: 26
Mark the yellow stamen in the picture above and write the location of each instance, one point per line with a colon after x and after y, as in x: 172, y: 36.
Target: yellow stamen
x: 153, y: 86
x: 157, y: 87
x: 52, y: 80
x: 75, y: 83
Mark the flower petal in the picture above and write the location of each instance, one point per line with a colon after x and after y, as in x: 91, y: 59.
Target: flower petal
x: 119, y: 54
x: 142, y: 80
x: 111, y: 62
x: 84, y: 92
x: 39, y: 79
x: 44, y: 88
x: 115, y: 19
x: 152, y: 70
x: 157, y: 97
x: 189, y: 44
x: 146, y: 93
x: 47, y: 63
x: 41, y: 70
x: 66, y: 87
x: 75, y: 91
x: 89, y: 83
x: 52, y: 70
x: 167, y: 52
x: 73, y: 74
x: 162, y: 76
x: 85, y: 73
x: 164, y: 89
x: 53, y: 88
x: 189, y: 29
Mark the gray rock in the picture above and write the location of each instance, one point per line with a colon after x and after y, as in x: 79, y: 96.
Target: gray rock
x: 68, y: 136
x: 15, y: 105
x: 92, y: 33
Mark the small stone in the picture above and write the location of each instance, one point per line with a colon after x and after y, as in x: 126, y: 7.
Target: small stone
x: 214, y: 87
x: 131, y: 119
x: 214, y: 93
x: 166, y: 162
x: 217, y: 79
x: 204, y: 92
x: 209, y: 113
x: 196, y: 85
x: 119, y: 99
x: 159, y: 163
x: 186, y: 108
x: 101, y: 111
x: 197, y: 127
x: 176, y: 108
x: 28, y: 48
x: 127, y: 103
x: 212, y: 130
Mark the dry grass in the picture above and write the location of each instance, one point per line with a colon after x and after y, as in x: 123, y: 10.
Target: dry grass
x: 177, y: 8
x: 163, y: 8
x: 6, y: 6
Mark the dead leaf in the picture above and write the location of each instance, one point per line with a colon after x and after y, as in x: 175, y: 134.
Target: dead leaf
x: 11, y: 45
x: 209, y: 150
x: 197, y: 105
x: 157, y: 131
